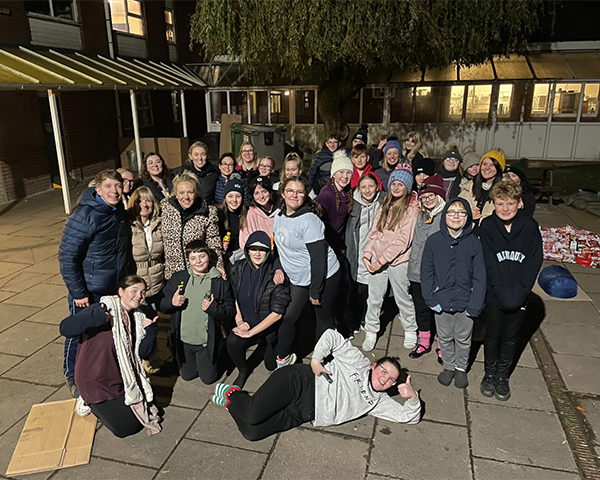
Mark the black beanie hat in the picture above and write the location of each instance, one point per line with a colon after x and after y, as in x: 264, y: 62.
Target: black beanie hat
x: 519, y: 169
x: 423, y: 165
x: 235, y: 185
x: 362, y: 133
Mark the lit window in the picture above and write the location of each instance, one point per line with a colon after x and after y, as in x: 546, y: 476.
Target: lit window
x: 170, y: 25
x: 54, y: 8
x: 126, y: 16
x: 566, y: 99
x: 423, y: 91
x: 305, y: 106
x: 218, y: 106
x: 541, y: 99
x: 590, y: 100
x: 505, y: 100
x: 478, y: 101
x: 457, y: 98
x: 280, y: 107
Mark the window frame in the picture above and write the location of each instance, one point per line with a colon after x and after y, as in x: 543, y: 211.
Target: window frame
x: 52, y: 16
x: 127, y: 15
x: 172, y: 24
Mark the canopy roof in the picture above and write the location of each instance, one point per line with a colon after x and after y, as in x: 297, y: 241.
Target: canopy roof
x: 25, y: 68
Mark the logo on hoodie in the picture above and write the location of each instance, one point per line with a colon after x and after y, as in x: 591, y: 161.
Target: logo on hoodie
x: 510, y: 255
x: 363, y: 391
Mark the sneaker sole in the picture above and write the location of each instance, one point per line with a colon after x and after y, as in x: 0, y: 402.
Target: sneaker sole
x: 487, y: 393
x: 502, y: 398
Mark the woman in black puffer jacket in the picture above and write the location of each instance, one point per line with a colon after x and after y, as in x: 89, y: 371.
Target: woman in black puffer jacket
x: 260, y: 304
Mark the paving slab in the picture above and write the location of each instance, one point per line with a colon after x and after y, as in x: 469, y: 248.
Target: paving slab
x: 175, y: 391
x: 6, y: 229
x: 215, y: 425
x: 8, y: 443
x: 591, y: 407
x: 588, y: 282
x: 140, y: 449
x: 8, y: 361
x: 198, y: 460
x: 42, y: 222
x: 361, y: 427
x: 571, y: 313
x: 40, y: 231
x: 100, y: 469
x: 46, y: 251
x: 23, y: 281
x: 527, y: 386
x: 26, y: 338
x: 520, y: 436
x: 5, y: 295
x: 50, y: 266
x: 581, y: 340
x: 16, y: 399
x: 596, y: 300
x: 372, y: 476
x: 576, y: 268
x: 577, y: 373
x: 43, y: 367
x: 52, y: 314
x: 9, y: 268
x: 398, y: 451
x: 426, y: 364
x: 39, y: 296
x: 12, y: 314
x: 255, y: 380
x: 442, y: 404
x: 61, y: 394
x: 492, y: 470
x: 295, y: 457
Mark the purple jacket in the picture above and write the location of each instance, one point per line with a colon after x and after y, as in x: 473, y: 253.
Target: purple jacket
x: 335, y: 220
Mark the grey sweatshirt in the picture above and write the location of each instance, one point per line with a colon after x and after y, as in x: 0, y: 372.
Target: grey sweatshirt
x: 422, y: 232
x: 351, y: 395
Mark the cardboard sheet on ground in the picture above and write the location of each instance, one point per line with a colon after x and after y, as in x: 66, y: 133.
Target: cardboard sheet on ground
x: 54, y: 436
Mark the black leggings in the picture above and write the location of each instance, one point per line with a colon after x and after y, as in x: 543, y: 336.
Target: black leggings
x: 323, y: 312
x: 286, y: 400
x: 500, y: 342
x: 424, y: 314
x: 196, y: 363
x: 237, y: 346
x: 117, y: 417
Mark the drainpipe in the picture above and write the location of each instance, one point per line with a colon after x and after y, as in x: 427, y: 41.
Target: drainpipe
x: 136, y: 130
x: 109, y: 34
x: 62, y: 167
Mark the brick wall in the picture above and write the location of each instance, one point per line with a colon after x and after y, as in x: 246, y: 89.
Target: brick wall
x: 90, y: 132
x: 14, y: 27
x: 91, y: 14
x: 156, y: 30
x: 23, y: 159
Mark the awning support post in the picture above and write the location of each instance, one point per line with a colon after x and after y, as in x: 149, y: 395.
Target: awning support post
x: 60, y: 154
x: 136, y: 130
x: 183, y: 114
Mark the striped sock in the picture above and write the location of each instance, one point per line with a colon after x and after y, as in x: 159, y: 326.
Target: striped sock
x: 218, y: 400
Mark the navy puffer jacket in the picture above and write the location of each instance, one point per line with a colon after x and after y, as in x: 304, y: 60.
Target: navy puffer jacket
x: 453, y: 269
x: 93, y: 249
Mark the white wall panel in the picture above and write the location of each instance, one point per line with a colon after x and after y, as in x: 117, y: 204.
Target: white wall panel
x: 50, y: 33
x: 532, y: 143
x: 506, y: 137
x: 588, y: 141
x: 561, y: 141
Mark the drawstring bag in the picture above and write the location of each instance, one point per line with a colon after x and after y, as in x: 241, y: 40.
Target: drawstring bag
x: 558, y: 282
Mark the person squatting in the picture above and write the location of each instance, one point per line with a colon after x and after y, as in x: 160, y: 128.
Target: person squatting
x: 234, y: 254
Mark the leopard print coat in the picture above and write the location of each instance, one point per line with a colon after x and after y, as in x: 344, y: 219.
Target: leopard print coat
x: 203, y: 225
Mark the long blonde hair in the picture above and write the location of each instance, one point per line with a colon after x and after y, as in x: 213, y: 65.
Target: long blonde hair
x: 419, y: 147
x: 290, y: 157
x: 392, y: 212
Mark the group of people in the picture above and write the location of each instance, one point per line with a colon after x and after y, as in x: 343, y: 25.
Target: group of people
x: 234, y: 255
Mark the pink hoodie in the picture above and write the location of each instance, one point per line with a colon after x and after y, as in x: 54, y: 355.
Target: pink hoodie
x: 256, y: 220
x: 393, y: 246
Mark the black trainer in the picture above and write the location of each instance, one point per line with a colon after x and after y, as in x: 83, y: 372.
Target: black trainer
x: 487, y: 386
x: 502, y: 389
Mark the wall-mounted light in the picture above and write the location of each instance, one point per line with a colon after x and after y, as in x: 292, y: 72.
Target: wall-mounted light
x: 286, y: 93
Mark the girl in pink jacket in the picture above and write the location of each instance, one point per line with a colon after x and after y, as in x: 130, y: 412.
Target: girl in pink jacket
x: 261, y: 214
x: 386, y: 257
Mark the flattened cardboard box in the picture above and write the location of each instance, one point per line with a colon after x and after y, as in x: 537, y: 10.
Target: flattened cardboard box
x: 54, y: 436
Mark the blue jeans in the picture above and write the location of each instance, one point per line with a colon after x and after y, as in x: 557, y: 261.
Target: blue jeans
x: 71, y: 344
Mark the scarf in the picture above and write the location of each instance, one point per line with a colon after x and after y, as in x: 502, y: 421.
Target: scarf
x: 130, y: 364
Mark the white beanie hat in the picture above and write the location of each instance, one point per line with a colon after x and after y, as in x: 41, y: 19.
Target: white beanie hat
x: 341, y: 161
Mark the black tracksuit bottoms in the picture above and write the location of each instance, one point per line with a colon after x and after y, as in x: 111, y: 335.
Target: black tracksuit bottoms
x: 286, y: 400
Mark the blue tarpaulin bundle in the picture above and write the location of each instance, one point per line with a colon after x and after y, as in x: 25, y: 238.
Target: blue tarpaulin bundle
x: 558, y: 282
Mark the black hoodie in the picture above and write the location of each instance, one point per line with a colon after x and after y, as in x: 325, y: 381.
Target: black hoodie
x: 512, y: 259
x: 453, y: 269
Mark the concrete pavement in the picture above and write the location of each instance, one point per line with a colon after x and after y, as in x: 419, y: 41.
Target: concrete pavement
x: 463, y: 435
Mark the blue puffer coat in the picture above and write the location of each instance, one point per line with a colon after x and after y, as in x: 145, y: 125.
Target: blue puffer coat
x: 453, y: 269
x: 93, y: 249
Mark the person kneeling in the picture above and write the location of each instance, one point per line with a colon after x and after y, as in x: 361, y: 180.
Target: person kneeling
x: 198, y: 298
x: 343, y: 389
x: 260, y: 304
x: 115, y: 337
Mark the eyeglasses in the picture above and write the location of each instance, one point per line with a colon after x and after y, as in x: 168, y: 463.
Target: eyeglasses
x: 454, y: 213
x: 247, y: 151
x: 452, y: 160
x: 332, y: 142
x: 289, y: 192
x: 387, y: 374
x: 428, y: 197
x: 126, y: 180
x: 158, y: 162
x: 268, y: 165
x: 227, y: 164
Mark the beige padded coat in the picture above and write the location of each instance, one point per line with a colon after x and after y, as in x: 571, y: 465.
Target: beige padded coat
x: 149, y: 263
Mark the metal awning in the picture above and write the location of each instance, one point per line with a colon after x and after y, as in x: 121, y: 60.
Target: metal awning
x: 25, y: 68
x: 580, y: 65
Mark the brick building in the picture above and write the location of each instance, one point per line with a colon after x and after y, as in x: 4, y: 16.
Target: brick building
x: 92, y: 54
